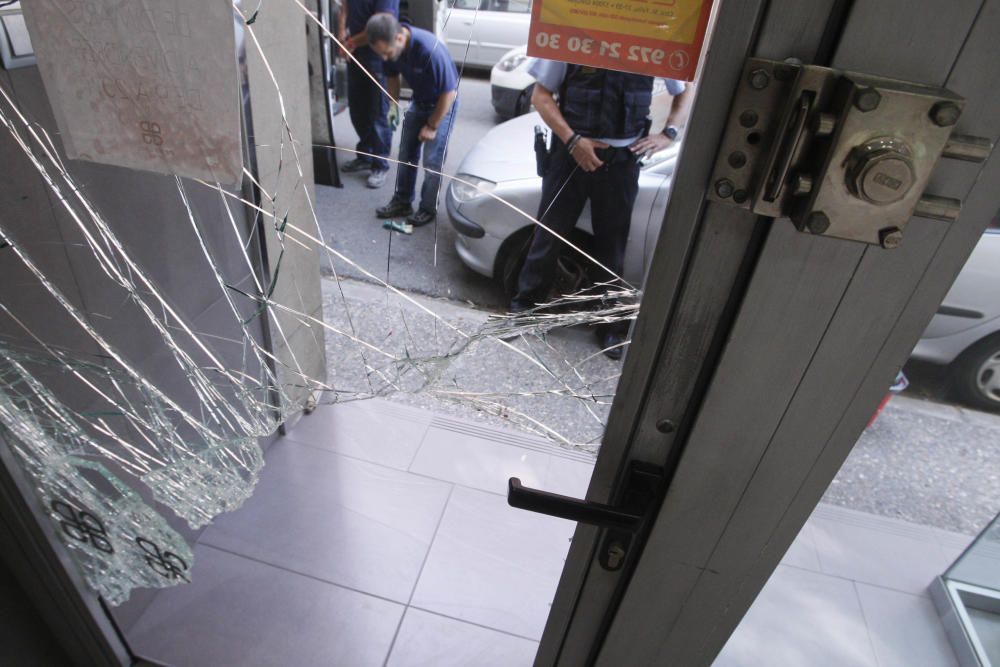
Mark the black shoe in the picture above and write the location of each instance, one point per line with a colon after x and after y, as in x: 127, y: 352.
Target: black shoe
x: 517, y: 307
x: 421, y: 218
x: 394, y: 209
x: 612, y: 343
x: 357, y: 164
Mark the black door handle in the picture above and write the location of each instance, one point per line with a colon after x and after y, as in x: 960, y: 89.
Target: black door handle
x: 564, y: 507
x: 621, y: 521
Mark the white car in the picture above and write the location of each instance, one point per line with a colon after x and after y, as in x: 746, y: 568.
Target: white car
x: 492, y: 237
x: 511, y: 85
x: 479, y: 32
x: 965, y: 332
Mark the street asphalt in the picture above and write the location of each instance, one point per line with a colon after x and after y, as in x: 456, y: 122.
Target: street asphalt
x: 424, y: 262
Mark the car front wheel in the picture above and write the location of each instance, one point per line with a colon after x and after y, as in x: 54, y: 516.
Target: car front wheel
x: 977, y: 374
x: 572, y: 273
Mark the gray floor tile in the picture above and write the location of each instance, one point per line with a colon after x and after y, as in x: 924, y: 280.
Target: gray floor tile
x: 904, y: 629
x: 872, y: 555
x: 243, y: 613
x: 494, y: 565
x: 568, y: 477
x: 367, y: 430
x: 477, y: 462
x: 339, y: 519
x: 802, y: 553
x: 429, y: 640
x: 801, y: 618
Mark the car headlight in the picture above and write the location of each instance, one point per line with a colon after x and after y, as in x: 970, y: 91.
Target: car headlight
x: 471, y: 188
x: 512, y: 63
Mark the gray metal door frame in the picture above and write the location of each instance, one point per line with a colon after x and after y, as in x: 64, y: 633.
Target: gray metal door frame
x: 760, y: 352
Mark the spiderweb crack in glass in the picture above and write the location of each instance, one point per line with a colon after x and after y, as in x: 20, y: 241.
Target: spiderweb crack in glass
x: 104, y: 467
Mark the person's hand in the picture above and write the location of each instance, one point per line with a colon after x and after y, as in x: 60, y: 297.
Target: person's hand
x: 583, y: 153
x: 651, y: 144
x: 392, y: 117
x: 342, y: 39
x: 427, y: 133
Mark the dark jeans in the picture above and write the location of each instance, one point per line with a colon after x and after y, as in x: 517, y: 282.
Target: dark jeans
x: 611, y: 190
x: 368, y: 107
x: 410, y: 148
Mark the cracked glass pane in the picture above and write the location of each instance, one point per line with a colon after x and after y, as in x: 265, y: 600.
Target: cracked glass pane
x: 139, y: 376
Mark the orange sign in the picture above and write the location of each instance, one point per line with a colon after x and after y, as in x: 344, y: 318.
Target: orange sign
x: 655, y: 37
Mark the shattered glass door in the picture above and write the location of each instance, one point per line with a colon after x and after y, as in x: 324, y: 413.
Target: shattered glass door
x: 154, y: 328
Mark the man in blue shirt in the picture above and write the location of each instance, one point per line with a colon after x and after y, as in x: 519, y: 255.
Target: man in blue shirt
x: 600, y: 130
x: 420, y: 57
x: 368, y: 105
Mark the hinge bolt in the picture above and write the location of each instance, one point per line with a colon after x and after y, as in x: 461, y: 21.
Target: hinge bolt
x: 945, y: 114
x: 724, y: 188
x: 890, y: 237
x: 817, y: 222
x: 748, y: 118
x: 759, y: 79
x: 867, y: 99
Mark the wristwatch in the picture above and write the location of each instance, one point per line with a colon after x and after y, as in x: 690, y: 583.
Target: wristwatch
x: 671, y: 132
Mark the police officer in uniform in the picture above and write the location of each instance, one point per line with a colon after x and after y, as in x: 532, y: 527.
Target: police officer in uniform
x: 600, y: 131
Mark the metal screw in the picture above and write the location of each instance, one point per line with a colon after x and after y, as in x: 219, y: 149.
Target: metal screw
x: 737, y: 159
x: 867, y: 99
x: 945, y: 114
x: 616, y: 554
x: 748, y: 118
x: 890, y: 237
x: 817, y: 222
x: 740, y: 196
x: 665, y: 426
x: 724, y: 188
x: 803, y: 184
x: 759, y: 79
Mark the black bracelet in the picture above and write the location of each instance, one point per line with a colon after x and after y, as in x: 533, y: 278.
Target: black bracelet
x: 573, y: 141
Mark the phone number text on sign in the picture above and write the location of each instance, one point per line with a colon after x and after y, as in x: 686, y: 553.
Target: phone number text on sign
x: 654, y: 37
x: 589, y: 45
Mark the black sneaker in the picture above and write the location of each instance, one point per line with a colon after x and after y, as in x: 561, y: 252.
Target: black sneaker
x: 421, y: 218
x: 394, y: 209
x: 612, y: 343
x: 517, y: 306
x: 357, y: 164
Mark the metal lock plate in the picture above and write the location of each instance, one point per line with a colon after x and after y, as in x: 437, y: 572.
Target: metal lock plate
x: 841, y: 154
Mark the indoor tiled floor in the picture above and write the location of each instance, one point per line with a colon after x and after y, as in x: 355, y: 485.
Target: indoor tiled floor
x: 380, y: 534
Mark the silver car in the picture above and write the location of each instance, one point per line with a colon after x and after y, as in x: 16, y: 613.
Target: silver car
x: 493, y: 236
x: 965, y: 332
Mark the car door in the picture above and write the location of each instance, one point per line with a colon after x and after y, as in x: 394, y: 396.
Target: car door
x: 457, y: 24
x: 507, y: 27
x: 974, y: 299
